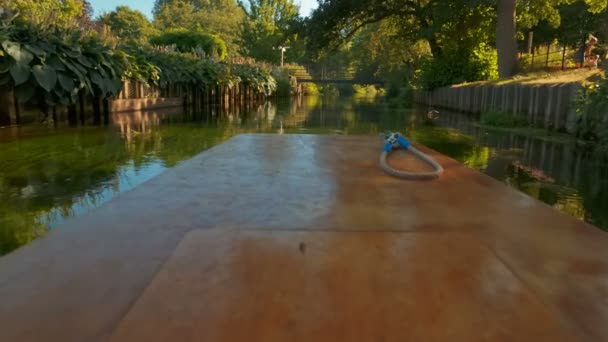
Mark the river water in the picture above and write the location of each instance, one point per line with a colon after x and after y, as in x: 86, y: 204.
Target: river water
x: 48, y: 174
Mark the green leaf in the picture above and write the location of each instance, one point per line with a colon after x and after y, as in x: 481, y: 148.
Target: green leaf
x: 85, y: 61
x: 48, y: 47
x: 66, y: 81
x: 68, y: 63
x: 74, y: 53
x: 56, y: 63
x: 46, y: 76
x: 19, y: 73
x: 40, y: 53
x: 99, y: 82
x: 24, y: 92
x: 21, y: 56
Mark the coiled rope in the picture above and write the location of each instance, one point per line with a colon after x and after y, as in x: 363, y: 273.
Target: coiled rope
x: 396, y: 140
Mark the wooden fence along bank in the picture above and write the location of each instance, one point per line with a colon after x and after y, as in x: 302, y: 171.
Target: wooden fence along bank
x: 134, y: 96
x: 550, y: 106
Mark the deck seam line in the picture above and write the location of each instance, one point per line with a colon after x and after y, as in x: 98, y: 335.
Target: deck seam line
x: 137, y: 297
x: 550, y: 308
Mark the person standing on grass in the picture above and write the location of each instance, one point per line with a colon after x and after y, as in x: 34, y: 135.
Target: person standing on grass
x: 590, y: 58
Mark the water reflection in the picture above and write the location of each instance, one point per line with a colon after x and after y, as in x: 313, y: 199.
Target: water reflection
x: 48, y: 175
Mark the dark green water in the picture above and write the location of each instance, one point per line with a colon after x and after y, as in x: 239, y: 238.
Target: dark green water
x: 50, y: 174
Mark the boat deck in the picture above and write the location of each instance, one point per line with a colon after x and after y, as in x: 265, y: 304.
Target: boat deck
x: 304, y: 238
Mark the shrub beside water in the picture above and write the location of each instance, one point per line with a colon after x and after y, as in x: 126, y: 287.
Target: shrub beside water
x: 458, y: 66
x: 592, y: 110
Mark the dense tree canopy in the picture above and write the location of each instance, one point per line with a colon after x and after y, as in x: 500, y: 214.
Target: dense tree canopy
x: 219, y: 17
x: 439, y: 22
x: 127, y: 23
x: 70, y: 14
x: 446, y: 25
x: 268, y: 24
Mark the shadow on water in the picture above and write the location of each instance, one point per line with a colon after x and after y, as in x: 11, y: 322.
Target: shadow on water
x: 48, y: 175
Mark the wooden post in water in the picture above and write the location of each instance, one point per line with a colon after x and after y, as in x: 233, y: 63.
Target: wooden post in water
x: 106, y: 111
x: 72, y: 115
x: 55, y: 115
x: 81, y: 102
x: 17, y: 109
x: 96, y: 110
x: 226, y: 98
x: 5, y: 105
x: 195, y: 104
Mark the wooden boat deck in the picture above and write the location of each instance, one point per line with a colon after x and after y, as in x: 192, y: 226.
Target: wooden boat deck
x: 303, y: 238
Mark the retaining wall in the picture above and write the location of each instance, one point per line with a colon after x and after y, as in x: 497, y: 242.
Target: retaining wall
x: 550, y: 106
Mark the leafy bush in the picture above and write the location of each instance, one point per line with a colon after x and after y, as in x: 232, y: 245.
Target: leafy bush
x: 458, y: 66
x: 57, y: 65
x: 311, y: 89
x: 367, y: 90
x: 501, y: 119
x: 157, y: 66
x: 189, y: 41
x: 592, y: 109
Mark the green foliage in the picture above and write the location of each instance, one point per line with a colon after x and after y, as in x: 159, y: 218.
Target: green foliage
x: 459, y: 66
x: 218, y: 17
x: 530, y: 13
x: 257, y: 77
x: 383, y: 50
x: 128, y: 24
x: 592, y: 106
x: 438, y: 22
x: 18, y: 228
x: 597, y: 6
x: 169, y: 67
x: 573, y: 32
x: 57, y: 66
x: 286, y: 83
x: 311, y: 89
x: 176, y: 14
x: 501, y: 119
x: 65, y: 14
x: 188, y: 41
x: 267, y: 25
x: 365, y: 90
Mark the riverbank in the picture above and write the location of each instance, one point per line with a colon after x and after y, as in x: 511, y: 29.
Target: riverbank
x: 546, y: 101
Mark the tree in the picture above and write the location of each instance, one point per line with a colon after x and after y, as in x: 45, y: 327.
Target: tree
x: 458, y: 33
x: 267, y: 25
x: 597, y: 6
x: 439, y: 22
x: 176, y: 14
x: 219, y: 17
x: 128, y: 24
x: 529, y: 14
x: 383, y: 51
x: 506, y: 39
x: 65, y: 14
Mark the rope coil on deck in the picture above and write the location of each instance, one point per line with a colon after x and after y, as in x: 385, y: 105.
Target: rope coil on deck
x: 396, y: 140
